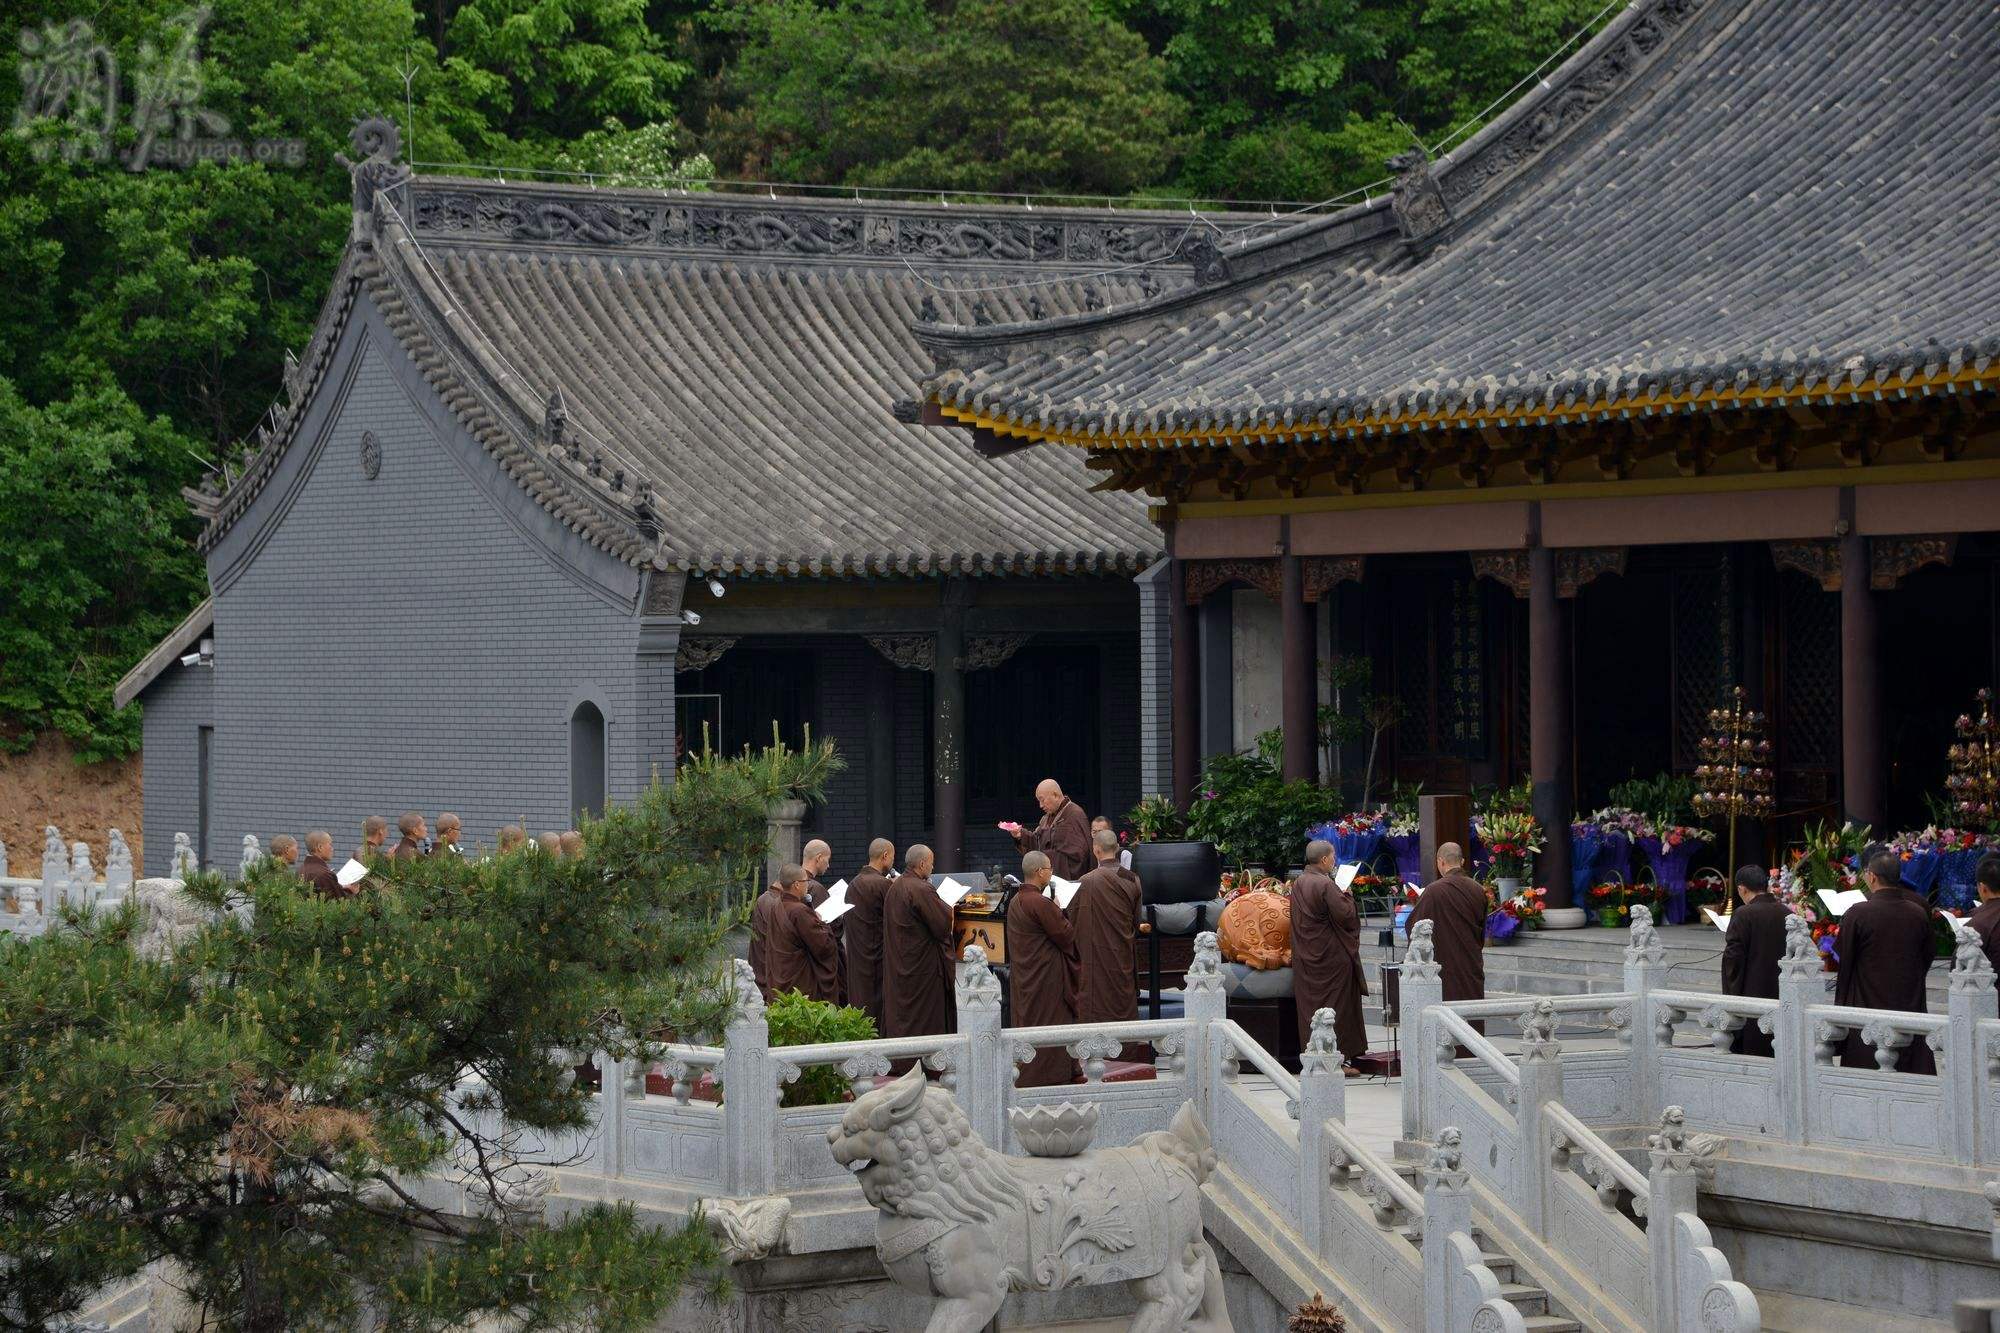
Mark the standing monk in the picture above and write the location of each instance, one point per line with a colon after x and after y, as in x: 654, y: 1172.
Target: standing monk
x: 1885, y: 955
x: 814, y: 860
x: 916, y: 953
x: 1326, y: 954
x: 1064, y: 832
x: 1042, y: 970
x: 862, y: 936
x: 1106, y: 910
x: 1985, y: 919
x: 410, y: 848
x: 1455, y: 905
x: 790, y: 947
x: 1751, y: 950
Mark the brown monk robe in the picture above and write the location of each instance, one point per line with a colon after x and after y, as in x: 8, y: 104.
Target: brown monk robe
x: 1063, y: 832
x: 1985, y: 919
x: 861, y: 936
x: 814, y: 860
x: 317, y: 869
x: 1885, y: 953
x: 1326, y: 953
x: 1106, y: 912
x: 1750, y: 953
x: 1042, y: 971
x: 916, y: 953
x: 410, y: 848
x: 797, y: 952
x: 1455, y: 905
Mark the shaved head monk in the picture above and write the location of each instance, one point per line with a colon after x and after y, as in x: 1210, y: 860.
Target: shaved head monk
x: 1063, y: 833
x: 814, y: 860
x: 916, y: 953
x: 1455, y: 905
x: 862, y: 929
x: 1042, y: 961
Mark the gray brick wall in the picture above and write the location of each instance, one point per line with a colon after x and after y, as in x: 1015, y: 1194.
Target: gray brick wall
x: 1155, y: 687
x: 402, y: 642
x: 178, y: 703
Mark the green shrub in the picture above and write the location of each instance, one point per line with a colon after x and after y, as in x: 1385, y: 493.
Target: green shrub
x: 795, y: 1020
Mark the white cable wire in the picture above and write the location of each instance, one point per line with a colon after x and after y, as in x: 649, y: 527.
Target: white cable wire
x: 1530, y: 77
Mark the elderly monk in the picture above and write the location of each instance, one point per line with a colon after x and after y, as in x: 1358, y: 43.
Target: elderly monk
x: 1106, y: 911
x: 1455, y: 905
x: 285, y: 848
x: 1985, y: 919
x: 410, y: 847
x: 814, y: 860
x: 1326, y: 955
x: 1751, y: 950
x: 1064, y: 832
x: 861, y: 935
x: 446, y: 843
x: 1885, y: 955
x: 1042, y: 970
x: 374, y: 832
x: 790, y: 947
x: 916, y: 953
x: 317, y: 869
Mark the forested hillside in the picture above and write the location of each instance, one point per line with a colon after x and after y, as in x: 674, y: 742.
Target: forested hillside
x: 150, y: 303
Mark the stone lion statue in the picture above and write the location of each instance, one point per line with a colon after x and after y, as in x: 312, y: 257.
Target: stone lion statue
x: 965, y: 1225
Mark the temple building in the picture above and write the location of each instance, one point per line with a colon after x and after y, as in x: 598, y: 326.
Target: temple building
x: 1678, y: 375
x: 569, y: 480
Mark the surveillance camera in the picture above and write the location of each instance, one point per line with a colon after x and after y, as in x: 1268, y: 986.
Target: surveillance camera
x: 715, y: 587
x: 690, y: 618
x: 191, y: 660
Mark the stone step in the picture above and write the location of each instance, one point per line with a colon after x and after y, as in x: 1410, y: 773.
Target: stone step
x: 1550, y: 1323
x: 1527, y: 1299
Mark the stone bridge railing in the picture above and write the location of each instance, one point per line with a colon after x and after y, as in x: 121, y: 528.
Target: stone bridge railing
x: 70, y: 878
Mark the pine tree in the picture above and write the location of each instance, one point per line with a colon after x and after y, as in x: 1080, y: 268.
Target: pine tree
x: 1316, y: 1316
x: 255, y: 1102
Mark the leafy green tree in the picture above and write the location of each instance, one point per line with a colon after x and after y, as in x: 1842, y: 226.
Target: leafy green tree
x: 254, y: 1101
x: 984, y: 95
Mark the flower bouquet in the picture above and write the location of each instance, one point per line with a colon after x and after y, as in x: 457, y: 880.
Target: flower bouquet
x: 1586, y: 844
x: 1825, y: 862
x: 1356, y: 838
x: 1922, y: 858
x: 1669, y: 850
x: 1513, y: 839
x: 1621, y: 826
x: 1708, y: 888
x: 1959, y: 851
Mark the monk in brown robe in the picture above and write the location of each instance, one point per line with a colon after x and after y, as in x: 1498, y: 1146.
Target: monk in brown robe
x: 410, y: 847
x: 1042, y: 970
x: 861, y: 936
x: 446, y: 844
x: 374, y: 832
x: 1326, y: 955
x: 1106, y: 911
x: 790, y: 947
x: 814, y: 859
x: 1063, y: 833
x: 916, y: 953
x: 1751, y: 950
x: 1985, y: 919
x: 1455, y: 905
x: 1885, y: 953
x: 317, y: 869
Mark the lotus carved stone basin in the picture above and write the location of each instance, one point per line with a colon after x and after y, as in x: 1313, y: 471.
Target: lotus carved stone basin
x: 1061, y: 1130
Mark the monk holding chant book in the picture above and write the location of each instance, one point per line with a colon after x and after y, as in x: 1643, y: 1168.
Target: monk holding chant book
x: 1326, y: 955
x: 790, y: 947
x: 1984, y: 921
x: 916, y: 953
x: 1885, y: 955
x: 1106, y: 911
x: 1042, y: 970
x: 1455, y: 905
x: 1751, y: 950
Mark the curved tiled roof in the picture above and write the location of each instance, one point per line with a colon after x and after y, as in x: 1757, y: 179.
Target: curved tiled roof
x: 713, y: 382
x: 1716, y: 201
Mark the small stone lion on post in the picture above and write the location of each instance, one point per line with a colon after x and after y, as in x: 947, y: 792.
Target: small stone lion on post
x: 965, y: 1225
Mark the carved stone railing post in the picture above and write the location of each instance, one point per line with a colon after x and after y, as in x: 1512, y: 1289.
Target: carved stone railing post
x: 611, y: 1076
x: 1322, y: 1097
x: 1206, y: 1006
x: 1962, y: 1062
x: 117, y: 867
x: 985, y: 1078
x: 1644, y: 971
x: 1422, y: 989
x: 1800, y: 984
x: 182, y: 864
x: 1458, y: 1285
x: 1692, y: 1288
x: 1541, y: 1084
x: 82, y: 877
x: 55, y: 869
x: 750, y: 1093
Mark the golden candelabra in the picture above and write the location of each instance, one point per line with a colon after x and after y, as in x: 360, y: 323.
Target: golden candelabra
x: 1974, y: 781
x: 1734, y: 777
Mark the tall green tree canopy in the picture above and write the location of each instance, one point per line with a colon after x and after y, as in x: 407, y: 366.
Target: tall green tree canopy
x: 254, y: 1100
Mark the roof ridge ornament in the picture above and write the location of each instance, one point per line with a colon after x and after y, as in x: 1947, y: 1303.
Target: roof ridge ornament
x: 1416, y: 200
x: 374, y: 169
x: 1210, y: 266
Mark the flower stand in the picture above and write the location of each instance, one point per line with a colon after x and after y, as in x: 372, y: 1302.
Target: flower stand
x: 1670, y: 869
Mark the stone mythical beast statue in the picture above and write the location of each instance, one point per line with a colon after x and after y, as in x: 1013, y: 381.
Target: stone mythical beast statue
x: 965, y: 1225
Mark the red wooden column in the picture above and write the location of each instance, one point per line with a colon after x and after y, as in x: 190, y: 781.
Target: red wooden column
x: 1864, y: 788
x: 1298, y: 713
x: 1186, y: 686
x: 1549, y: 740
